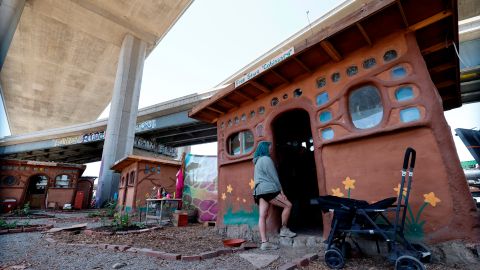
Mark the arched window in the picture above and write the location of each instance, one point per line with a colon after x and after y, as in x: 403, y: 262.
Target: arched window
x: 240, y: 143
x: 132, y: 178
x: 365, y: 107
x: 62, y: 181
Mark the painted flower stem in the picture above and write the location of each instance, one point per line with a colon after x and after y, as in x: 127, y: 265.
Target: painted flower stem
x: 412, y: 217
x: 349, y: 193
x: 420, y: 211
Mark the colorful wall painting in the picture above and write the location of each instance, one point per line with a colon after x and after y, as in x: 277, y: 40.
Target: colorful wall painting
x: 200, y: 188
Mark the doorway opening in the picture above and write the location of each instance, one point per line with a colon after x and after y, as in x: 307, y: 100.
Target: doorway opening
x: 37, y: 187
x: 294, y: 152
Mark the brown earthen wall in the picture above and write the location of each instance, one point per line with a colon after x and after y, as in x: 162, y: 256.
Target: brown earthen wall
x: 61, y: 195
x: 373, y: 157
x: 23, y: 170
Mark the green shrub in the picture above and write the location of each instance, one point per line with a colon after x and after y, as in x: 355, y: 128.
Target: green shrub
x: 5, y: 225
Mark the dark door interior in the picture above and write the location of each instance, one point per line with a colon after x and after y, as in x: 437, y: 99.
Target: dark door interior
x: 37, y: 186
x: 296, y: 168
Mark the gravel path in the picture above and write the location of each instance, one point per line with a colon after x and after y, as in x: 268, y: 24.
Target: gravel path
x: 32, y: 251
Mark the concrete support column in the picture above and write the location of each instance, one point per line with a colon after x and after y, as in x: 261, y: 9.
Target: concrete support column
x: 122, y: 119
x: 10, y: 13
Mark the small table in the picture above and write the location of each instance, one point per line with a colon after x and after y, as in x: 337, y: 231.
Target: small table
x: 161, y: 210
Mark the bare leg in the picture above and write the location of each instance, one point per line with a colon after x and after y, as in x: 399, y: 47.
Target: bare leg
x: 285, y: 204
x: 262, y: 219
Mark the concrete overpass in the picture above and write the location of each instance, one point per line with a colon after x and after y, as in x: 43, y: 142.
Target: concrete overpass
x: 160, y: 129
x: 58, y: 58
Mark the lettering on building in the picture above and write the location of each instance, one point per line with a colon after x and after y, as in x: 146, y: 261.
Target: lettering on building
x: 146, y: 125
x: 155, y: 147
x: 277, y: 59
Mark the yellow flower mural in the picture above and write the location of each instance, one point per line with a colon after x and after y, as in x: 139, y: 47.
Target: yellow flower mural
x: 349, y: 183
x: 397, y: 190
x: 229, y: 188
x: 224, y: 196
x: 431, y: 199
x: 337, y: 192
x: 413, y: 224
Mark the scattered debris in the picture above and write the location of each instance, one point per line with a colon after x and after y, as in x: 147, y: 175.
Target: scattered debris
x: 119, y: 265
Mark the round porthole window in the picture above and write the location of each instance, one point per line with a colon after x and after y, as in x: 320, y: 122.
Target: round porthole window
x: 297, y: 92
x: 351, y: 71
x: 365, y: 107
x: 321, y: 82
x: 370, y: 62
x: 390, y: 55
x: 335, y: 77
x: 9, y: 180
x: 261, y: 110
x: 274, y: 102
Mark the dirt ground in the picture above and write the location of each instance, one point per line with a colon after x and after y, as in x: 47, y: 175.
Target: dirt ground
x: 188, y: 240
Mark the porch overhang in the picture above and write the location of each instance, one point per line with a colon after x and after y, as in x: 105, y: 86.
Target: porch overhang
x: 332, y: 38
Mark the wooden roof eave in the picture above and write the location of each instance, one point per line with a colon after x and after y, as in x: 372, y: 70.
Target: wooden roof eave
x: 354, y: 19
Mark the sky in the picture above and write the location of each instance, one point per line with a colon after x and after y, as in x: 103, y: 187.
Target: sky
x: 216, y: 38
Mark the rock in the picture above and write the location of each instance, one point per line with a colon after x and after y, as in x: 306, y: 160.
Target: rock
x: 455, y: 253
x: 299, y: 242
x: 259, y: 260
x: 313, y: 241
x: 119, y: 265
x: 286, y: 241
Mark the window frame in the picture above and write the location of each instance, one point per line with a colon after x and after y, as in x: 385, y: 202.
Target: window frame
x: 70, y: 182
x: 384, y: 104
x: 242, y: 135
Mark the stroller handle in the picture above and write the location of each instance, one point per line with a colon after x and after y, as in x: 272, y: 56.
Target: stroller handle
x: 410, y: 152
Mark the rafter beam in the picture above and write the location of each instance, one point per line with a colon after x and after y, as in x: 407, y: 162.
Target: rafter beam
x: 437, y: 47
x: 215, y: 110
x: 440, y: 68
x: 260, y: 87
x: 444, y: 84
x: 228, y: 103
x: 364, y: 33
x: 402, y: 12
x: 307, y: 69
x: 330, y: 50
x: 430, y: 20
x: 285, y: 80
x: 243, y: 95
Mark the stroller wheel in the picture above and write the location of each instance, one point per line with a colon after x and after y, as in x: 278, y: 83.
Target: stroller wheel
x: 334, y: 258
x: 408, y: 263
x: 424, y: 253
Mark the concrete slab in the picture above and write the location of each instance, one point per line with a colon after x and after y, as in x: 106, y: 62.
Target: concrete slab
x: 69, y: 228
x: 259, y: 260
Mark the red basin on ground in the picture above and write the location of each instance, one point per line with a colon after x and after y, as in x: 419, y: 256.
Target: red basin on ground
x: 235, y: 242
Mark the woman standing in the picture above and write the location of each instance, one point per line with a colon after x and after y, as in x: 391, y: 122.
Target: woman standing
x: 268, y: 191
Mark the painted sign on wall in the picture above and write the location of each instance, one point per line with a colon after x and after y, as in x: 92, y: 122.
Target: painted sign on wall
x: 277, y: 59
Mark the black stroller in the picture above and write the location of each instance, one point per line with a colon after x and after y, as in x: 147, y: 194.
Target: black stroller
x: 360, y: 217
